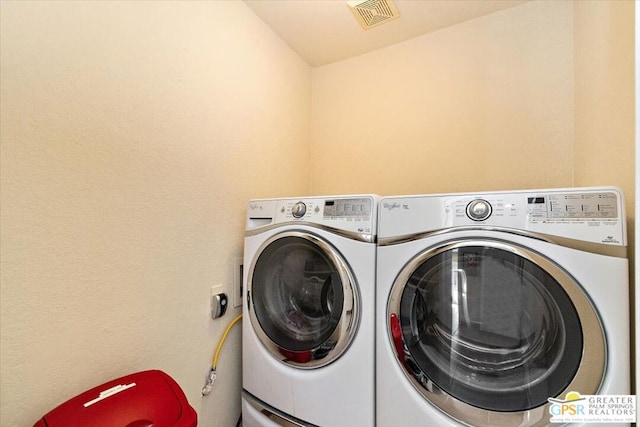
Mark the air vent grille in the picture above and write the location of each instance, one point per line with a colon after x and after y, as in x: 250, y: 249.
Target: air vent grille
x: 371, y: 13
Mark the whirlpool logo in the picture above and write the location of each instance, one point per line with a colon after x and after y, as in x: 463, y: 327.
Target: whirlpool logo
x: 577, y: 408
x: 610, y: 239
x: 391, y: 205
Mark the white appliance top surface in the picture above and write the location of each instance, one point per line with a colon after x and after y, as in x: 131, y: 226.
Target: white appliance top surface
x: 356, y: 213
x: 593, y: 214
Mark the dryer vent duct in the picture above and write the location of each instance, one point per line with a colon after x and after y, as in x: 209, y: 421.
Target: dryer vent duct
x: 371, y: 13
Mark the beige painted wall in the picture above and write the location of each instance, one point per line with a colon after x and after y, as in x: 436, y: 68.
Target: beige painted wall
x: 539, y: 95
x: 604, y: 98
x: 133, y: 134
x: 604, y: 101
x: 483, y: 105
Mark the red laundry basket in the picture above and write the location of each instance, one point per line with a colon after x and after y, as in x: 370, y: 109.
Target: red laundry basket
x: 143, y: 399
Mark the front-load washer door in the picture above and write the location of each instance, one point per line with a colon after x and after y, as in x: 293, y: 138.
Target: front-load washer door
x: 488, y: 331
x: 303, y: 299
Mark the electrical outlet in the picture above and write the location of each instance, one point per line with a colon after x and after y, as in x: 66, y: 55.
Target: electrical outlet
x: 237, y: 281
x: 218, y: 301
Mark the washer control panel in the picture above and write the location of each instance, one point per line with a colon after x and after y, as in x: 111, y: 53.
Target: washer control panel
x: 329, y: 209
x: 347, y: 208
x: 349, y: 213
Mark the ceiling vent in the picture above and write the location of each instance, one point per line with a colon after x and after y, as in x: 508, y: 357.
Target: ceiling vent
x: 371, y: 13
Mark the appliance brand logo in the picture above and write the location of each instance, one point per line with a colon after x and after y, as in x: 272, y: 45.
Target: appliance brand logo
x: 254, y: 206
x: 577, y: 408
x: 610, y: 239
x: 395, y: 205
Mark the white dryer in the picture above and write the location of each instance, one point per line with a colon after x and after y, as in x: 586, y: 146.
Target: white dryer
x: 308, y: 335
x: 488, y: 304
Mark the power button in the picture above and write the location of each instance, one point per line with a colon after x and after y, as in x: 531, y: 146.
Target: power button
x: 479, y: 210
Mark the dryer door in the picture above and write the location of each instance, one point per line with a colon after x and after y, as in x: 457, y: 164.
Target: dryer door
x: 488, y: 331
x: 303, y: 300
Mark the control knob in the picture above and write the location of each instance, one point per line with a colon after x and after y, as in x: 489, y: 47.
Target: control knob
x: 479, y: 210
x: 298, y: 210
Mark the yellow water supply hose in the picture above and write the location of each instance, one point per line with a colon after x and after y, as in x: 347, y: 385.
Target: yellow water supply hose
x: 211, y: 377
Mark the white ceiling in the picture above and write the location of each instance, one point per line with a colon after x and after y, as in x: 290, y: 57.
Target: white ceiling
x: 325, y: 31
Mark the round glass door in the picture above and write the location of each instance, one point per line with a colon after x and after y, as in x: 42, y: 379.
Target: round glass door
x: 494, y: 326
x: 303, y: 300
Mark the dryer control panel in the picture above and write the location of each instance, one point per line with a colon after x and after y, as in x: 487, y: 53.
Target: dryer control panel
x: 574, y: 205
x: 561, y: 206
x: 593, y: 214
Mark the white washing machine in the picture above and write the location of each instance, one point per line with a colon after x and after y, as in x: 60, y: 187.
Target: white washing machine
x: 308, y: 337
x: 490, y: 303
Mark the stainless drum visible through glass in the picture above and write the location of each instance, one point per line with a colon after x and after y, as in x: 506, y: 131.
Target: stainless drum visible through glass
x: 303, y: 299
x: 494, y: 326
